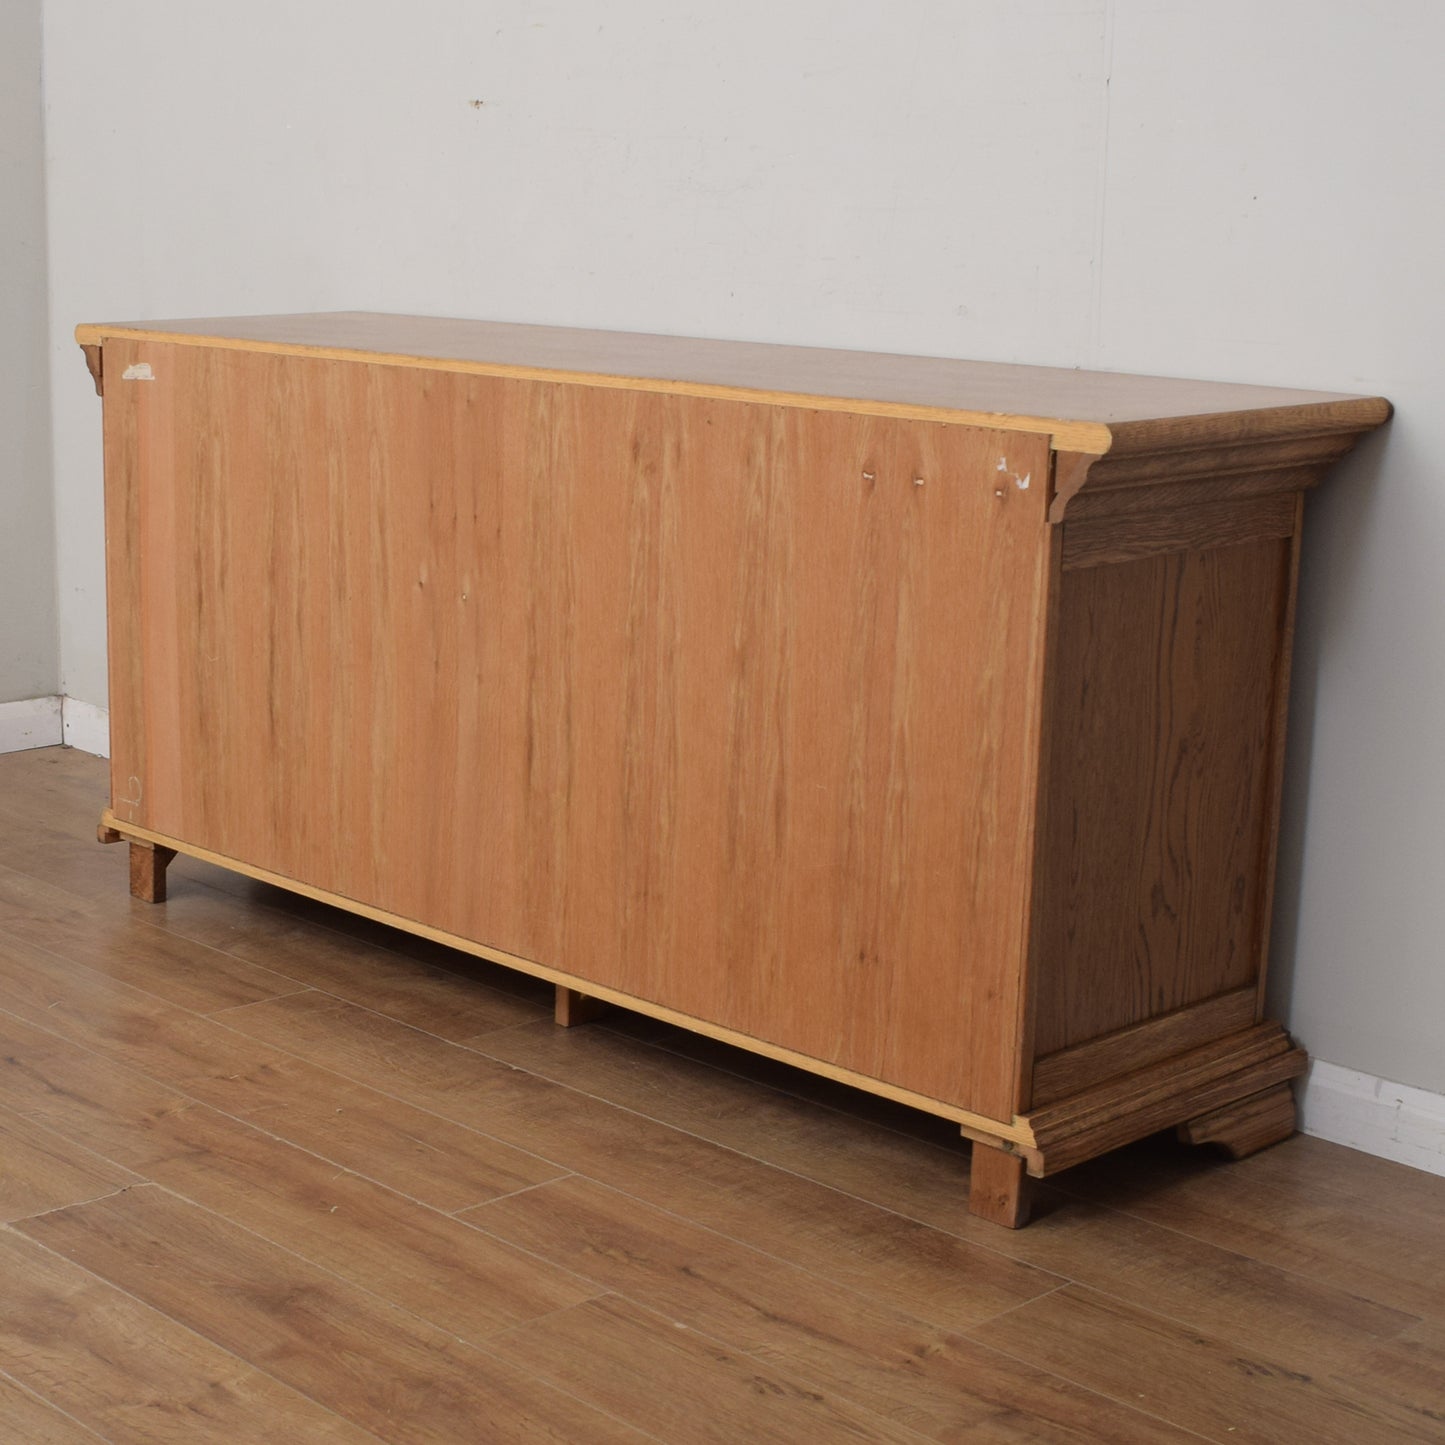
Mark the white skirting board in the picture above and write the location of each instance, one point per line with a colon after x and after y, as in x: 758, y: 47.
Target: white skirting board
x: 1391, y: 1121
x: 87, y: 727
x: 47, y: 722
x: 33, y: 722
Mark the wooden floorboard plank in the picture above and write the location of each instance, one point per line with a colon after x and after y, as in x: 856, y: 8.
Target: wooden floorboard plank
x: 1210, y: 1289
x: 1405, y: 1377
x: 950, y: 1281
x: 24, y: 1417
x: 40, y: 1169
x: 375, y: 1365
x: 612, y: 1353
x: 413, y: 1256
x: 187, y: 974
x: 1206, y: 1283
x: 1369, y: 1226
x: 942, y: 1385
x: 58, y: 787
x: 130, y: 1373
x: 1215, y: 1386
x: 425, y: 1261
x: 81, y: 866
x: 68, y: 1063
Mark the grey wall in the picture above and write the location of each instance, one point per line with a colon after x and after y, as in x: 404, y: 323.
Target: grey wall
x: 29, y: 642
x: 1200, y: 187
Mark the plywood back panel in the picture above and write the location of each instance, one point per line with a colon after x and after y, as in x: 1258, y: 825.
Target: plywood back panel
x: 1156, y: 843
x: 728, y: 705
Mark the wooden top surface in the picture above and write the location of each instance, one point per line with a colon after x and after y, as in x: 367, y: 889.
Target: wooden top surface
x: 1086, y: 411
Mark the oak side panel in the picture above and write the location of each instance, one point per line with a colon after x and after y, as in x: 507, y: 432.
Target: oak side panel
x: 729, y: 706
x: 1160, y: 797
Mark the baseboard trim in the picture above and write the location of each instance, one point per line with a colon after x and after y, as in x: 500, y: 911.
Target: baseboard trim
x: 52, y: 722
x: 1390, y: 1121
x: 86, y: 726
x: 33, y: 722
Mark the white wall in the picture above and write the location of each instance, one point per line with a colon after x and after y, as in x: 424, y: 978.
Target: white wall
x: 1234, y: 190
x: 29, y: 643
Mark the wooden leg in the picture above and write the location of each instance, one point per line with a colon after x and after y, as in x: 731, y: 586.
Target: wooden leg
x: 148, y: 862
x: 1245, y: 1127
x: 998, y: 1189
x: 575, y: 1008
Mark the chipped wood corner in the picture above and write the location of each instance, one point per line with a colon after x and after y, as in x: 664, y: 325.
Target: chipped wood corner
x: 94, y: 363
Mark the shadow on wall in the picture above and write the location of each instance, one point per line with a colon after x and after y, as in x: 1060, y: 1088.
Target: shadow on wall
x: 1332, y: 571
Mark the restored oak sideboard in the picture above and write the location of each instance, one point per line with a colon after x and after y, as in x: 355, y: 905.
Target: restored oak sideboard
x: 916, y: 722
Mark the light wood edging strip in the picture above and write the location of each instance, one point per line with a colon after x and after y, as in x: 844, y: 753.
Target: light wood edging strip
x: 1014, y: 1132
x: 1078, y: 436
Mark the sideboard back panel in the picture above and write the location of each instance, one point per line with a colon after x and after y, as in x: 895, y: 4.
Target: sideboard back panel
x: 727, y: 705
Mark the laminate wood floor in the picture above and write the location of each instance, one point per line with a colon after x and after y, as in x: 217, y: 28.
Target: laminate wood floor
x: 273, y: 1173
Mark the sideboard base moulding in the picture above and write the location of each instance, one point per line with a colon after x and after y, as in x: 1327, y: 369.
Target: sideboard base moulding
x: 916, y: 723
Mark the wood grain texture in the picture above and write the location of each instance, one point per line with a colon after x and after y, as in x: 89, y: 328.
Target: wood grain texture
x: 27, y: 1417
x: 1082, y: 409
x: 1405, y: 1379
x: 1245, y: 1126
x: 374, y: 1237
x: 928, y: 1379
x: 740, y: 746
x: 1366, y: 1226
x: 1216, y: 1290
x: 1201, y: 1383
x: 148, y: 863
x: 378, y: 1238
x: 40, y: 1170
x: 129, y: 1372
x: 375, y: 1365
x: 1136, y: 1104
x: 189, y: 974
x: 1160, y: 788
x: 1197, y: 460
x: 998, y: 1189
x: 117, y: 1044
x: 713, y: 1395
x: 1074, y: 1070
x: 1095, y: 541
